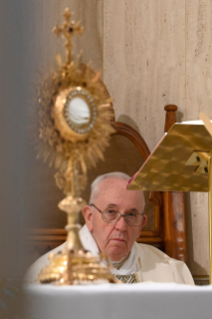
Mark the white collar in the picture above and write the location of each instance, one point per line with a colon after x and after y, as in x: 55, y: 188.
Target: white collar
x: 129, y: 267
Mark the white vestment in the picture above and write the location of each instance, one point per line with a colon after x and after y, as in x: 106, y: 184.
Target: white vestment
x: 146, y: 262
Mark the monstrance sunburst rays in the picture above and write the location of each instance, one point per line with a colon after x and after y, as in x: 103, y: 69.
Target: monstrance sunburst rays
x: 74, y: 125
x: 83, y: 153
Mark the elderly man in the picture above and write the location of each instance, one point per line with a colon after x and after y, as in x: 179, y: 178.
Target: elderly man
x: 114, y: 219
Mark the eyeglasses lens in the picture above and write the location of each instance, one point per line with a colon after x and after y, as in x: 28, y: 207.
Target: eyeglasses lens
x: 111, y: 216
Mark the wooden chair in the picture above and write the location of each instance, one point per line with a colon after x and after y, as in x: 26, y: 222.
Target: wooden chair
x: 166, y: 227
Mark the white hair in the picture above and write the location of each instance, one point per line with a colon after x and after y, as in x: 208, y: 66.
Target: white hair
x: 99, y: 179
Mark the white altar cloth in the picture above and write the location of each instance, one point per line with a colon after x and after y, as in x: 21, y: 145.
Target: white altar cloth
x: 109, y: 301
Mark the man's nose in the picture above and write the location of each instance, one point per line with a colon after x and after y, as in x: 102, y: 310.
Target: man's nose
x: 121, y: 224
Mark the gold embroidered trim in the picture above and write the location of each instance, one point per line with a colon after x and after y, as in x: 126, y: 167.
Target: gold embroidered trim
x: 127, y: 279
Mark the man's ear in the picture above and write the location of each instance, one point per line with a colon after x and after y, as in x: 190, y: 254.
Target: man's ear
x: 88, y: 215
x: 144, y: 221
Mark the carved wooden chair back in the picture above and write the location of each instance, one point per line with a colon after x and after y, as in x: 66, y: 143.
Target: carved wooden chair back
x: 166, y: 211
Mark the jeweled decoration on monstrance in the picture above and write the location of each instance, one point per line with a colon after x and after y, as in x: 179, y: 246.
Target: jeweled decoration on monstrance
x: 74, y: 119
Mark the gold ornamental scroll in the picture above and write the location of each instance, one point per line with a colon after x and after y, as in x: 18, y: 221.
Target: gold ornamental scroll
x: 182, y: 161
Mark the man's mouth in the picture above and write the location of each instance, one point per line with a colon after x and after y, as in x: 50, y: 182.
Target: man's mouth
x: 118, y: 239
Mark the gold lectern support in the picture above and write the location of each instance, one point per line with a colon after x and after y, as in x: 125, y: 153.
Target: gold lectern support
x: 210, y: 213
x: 205, y: 166
x: 182, y: 161
x: 208, y: 126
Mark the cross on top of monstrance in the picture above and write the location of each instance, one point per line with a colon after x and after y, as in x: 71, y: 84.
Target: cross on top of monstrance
x: 68, y: 30
x: 76, y: 128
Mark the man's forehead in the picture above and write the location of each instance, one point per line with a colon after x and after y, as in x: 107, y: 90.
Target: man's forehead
x: 114, y: 205
x: 113, y: 182
x: 116, y: 187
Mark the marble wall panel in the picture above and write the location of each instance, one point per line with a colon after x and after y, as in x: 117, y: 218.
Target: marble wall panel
x: 44, y: 15
x: 197, y: 233
x: 198, y: 39
x: 153, y: 53
x: 144, y: 61
x: 157, y: 53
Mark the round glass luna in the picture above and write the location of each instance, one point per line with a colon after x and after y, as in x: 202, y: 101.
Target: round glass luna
x: 80, y: 110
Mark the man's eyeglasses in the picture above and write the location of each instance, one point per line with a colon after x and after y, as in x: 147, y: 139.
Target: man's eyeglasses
x: 111, y: 216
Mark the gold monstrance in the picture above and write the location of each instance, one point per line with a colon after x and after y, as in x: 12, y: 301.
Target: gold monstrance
x: 74, y: 124
x: 182, y: 161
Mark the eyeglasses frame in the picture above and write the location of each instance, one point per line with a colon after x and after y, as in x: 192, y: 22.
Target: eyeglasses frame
x: 121, y: 215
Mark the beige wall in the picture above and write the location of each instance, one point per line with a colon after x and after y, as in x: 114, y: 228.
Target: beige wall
x: 159, y: 52
x: 28, y: 194
x: 152, y: 53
